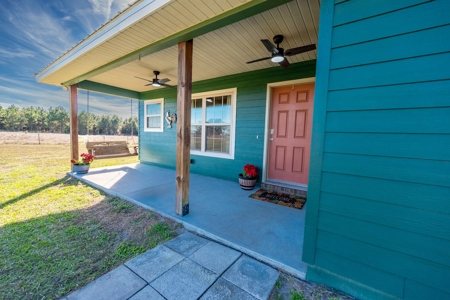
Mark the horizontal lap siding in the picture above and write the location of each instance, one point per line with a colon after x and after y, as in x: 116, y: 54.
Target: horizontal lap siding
x: 159, y: 148
x: 383, y: 218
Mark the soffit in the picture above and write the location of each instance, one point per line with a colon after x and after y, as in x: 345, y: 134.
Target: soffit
x: 173, y: 17
x: 225, y: 51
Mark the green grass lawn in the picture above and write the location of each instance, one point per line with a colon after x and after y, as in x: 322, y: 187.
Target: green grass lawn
x: 58, y: 234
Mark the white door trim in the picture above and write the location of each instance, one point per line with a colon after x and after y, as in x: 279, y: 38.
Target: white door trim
x: 267, y: 121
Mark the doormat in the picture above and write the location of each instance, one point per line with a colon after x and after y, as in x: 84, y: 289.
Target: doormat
x: 279, y: 198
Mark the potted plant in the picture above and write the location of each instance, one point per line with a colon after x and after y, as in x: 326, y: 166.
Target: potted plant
x: 82, y: 166
x: 248, y: 177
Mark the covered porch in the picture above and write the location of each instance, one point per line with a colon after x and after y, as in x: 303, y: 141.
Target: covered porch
x: 220, y: 210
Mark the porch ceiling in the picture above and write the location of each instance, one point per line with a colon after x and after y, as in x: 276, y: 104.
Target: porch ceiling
x: 221, y: 52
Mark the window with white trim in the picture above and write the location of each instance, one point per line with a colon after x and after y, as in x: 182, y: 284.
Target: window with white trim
x: 153, y: 115
x: 213, y: 118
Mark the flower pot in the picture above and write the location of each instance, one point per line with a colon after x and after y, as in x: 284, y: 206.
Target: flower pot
x: 80, y: 169
x: 247, y: 183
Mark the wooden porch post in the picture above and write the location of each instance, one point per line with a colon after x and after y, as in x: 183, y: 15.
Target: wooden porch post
x: 73, y: 111
x: 184, y: 127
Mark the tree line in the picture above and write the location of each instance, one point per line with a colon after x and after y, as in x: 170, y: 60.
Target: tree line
x: 56, y: 120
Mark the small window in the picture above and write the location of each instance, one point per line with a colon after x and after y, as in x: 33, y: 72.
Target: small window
x: 154, y: 111
x: 213, y: 123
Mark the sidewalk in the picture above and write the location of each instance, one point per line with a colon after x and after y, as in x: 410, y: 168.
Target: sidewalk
x: 186, y: 267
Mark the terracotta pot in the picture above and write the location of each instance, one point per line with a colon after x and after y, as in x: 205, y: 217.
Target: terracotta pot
x: 247, y: 183
x: 80, y: 169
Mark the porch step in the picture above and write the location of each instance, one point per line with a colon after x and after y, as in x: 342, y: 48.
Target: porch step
x: 286, y: 188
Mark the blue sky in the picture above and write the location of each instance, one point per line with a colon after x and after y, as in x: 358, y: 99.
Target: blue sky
x: 35, y: 32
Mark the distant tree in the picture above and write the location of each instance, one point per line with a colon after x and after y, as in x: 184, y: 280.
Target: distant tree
x: 2, y: 118
x: 130, y: 126
x: 30, y: 117
x: 41, y: 119
x: 116, y: 124
x: 58, y: 119
x: 104, y: 125
x: 12, y: 118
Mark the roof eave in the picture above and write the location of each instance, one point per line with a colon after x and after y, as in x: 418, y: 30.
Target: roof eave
x: 104, y: 33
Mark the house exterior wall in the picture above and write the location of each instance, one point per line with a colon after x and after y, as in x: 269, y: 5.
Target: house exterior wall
x: 158, y: 148
x: 378, y: 215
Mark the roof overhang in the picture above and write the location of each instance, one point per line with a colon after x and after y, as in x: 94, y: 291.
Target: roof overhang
x: 144, y: 38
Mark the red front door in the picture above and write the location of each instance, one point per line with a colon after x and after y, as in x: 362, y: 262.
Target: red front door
x: 290, y: 133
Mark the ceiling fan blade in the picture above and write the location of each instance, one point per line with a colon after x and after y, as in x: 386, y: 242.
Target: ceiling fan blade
x: 271, y: 47
x: 166, y: 85
x: 148, y: 84
x: 143, y: 78
x: 261, y: 59
x: 164, y: 80
x: 284, y: 63
x: 298, y: 50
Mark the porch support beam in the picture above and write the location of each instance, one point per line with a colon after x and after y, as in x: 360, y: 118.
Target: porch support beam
x: 73, y: 111
x: 183, y: 148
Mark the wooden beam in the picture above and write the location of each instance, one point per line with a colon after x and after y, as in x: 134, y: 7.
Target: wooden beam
x: 73, y: 111
x: 184, y: 127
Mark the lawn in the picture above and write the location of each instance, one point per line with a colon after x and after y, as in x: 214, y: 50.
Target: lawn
x: 58, y: 234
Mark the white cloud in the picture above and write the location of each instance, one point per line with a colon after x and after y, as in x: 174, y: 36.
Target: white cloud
x: 33, y: 25
x: 17, y: 52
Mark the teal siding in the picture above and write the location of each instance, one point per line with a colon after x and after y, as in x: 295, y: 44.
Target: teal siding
x: 159, y: 148
x: 378, y: 217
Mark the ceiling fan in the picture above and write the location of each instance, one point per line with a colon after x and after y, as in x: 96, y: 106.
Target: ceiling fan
x: 157, y: 82
x: 278, y: 54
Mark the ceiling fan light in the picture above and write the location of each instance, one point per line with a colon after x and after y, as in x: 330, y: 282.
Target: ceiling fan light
x: 276, y: 58
x: 156, y: 84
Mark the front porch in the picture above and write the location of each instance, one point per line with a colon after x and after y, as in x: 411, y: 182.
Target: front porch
x: 219, y: 210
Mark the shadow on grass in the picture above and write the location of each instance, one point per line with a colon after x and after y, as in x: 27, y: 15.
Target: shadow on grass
x: 50, y: 256
x: 65, y: 180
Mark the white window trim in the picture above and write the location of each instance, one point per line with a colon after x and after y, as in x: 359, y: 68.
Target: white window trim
x: 233, y: 93
x: 161, y: 128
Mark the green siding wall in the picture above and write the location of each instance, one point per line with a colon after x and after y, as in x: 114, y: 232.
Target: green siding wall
x: 159, y: 148
x: 378, y: 217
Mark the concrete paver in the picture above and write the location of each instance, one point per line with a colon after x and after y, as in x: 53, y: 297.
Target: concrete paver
x: 252, y: 276
x: 118, y: 284
x: 154, y: 263
x: 186, y: 243
x: 147, y: 293
x: 187, y: 280
x: 203, y: 269
x: 224, y: 290
x: 215, y: 257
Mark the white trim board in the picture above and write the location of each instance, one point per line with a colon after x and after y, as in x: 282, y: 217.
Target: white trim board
x: 267, y: 121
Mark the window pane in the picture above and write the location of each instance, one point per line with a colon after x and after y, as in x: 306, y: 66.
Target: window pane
x: 154, y: 109
x: 196, y: 111
x: 218, y: 139
x: 153, y: 122
x: 209, y: 110
x: 218, y: 109
x: 226, y: 109
x: 196, y: 138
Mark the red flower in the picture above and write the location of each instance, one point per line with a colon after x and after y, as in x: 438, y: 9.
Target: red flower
x: 250, y: 171
x: 86, y: 158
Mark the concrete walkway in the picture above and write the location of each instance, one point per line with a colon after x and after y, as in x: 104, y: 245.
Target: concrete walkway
x: 219, y: 210
x: 187, y: 267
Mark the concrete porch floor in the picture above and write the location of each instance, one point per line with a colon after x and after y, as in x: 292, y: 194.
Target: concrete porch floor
x: 219, y: 210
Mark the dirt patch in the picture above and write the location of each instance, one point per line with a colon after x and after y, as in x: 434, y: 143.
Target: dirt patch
x: 288, y: 287
x: 130, y: 222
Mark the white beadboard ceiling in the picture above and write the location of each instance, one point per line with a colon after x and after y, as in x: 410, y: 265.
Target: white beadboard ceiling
x: 219, y: 53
